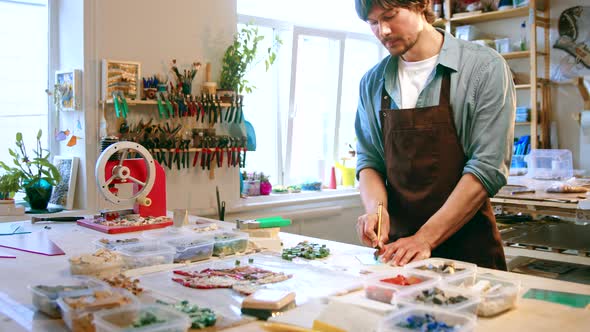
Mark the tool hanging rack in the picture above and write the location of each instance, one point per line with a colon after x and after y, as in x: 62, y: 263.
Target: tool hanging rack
x: 185, y: 132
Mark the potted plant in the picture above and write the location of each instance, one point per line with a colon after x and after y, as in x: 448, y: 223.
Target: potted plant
x: 265, y: 186
x: 239, y: 57
x: 36, y: 175
x: 9, y: 184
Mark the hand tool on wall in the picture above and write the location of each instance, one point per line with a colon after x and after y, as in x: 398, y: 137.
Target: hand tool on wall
x: 240, y: 109
x: 120, y: 104
x: 245, y: 149
x: 161, y: 109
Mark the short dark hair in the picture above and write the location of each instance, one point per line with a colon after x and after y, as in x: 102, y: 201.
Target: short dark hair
x: 363, y: 7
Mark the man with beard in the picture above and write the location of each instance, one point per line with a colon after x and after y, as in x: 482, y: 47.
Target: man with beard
x: 435, y: 128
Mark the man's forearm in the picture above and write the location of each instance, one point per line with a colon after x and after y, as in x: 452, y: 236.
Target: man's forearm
x: 465, y: 200
x: 372, y: 187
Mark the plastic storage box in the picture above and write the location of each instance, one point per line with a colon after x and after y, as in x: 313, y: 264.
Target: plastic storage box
x: 146, y: 254
x: 518, y: 165
x: 383, y: 288
x: 550, y: 164
x: 454, y: 271
x: 400, y: 320
x: 229, y: 243
x: 442, y: 296
x: 497, y: 294
x: 45, y: 295
x: 191, y: 248
x: 122, y: 319
x: 102, y: 263
x: 522, y: 114
x: 113, y: 244
x: 80, y: 318
x: 503, y: 45
x: 468, y: 32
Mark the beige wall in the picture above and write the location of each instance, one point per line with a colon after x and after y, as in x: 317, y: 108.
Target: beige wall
x: 151, y: 32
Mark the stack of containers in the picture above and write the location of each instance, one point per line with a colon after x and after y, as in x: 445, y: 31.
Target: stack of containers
x: 189, y: 246
x: 45, y: 295
x: 523, y: 114
x: 451, y: 294
x: 145, y: 254
x: 78, y: 311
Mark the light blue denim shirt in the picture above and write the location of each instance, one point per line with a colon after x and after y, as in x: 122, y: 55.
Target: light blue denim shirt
x: 483, y: 102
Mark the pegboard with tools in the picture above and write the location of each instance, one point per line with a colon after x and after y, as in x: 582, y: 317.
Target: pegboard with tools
x: 181, y: 131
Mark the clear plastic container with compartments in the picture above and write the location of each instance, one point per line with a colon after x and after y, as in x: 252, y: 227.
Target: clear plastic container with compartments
x: 384, y: 287
x: 497, y: 294
x: 415, y: 318
x: 550, y: 164
x: 78, y: 311
x: 146, y: 254
x: 102, y: 263
x: 155, y: 318
x: 229, y: 243
x: 443, y: 296
x: 448, y: 269
x: 113, y: 244
x: 191, y: 248
x: 165, y: 233
x: 45, y: 295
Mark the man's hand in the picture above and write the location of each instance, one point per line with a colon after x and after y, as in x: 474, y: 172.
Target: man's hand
x: 406, y: 250
x: 366, y: 228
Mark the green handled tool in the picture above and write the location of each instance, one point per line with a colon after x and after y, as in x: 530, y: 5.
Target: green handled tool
x: 269, y: 222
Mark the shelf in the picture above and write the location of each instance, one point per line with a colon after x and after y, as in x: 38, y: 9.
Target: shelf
x: 522, y: 86
x: 522, y: 123
x: 519, y: 55
x: 145, y: 102
x: 191, y: 150
x: 491, y: 16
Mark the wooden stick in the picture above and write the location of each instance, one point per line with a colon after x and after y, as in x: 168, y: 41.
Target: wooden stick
x: 379, y: 216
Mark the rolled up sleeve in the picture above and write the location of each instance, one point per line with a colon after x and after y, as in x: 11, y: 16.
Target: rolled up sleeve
x: 489, y: 148
x: 368, y: 155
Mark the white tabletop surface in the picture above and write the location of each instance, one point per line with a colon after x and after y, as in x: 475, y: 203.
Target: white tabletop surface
x: 18, y: 314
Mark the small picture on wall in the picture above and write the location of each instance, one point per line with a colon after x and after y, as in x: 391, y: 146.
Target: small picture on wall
x: 122, y: 76
x: 68, y: 86
x: 64, y: 191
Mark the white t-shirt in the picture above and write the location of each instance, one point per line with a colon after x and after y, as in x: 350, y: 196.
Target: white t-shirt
x: 412, y: 77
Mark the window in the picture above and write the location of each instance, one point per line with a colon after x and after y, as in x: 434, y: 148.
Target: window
x: 304, y: 108
x: 24, y: 67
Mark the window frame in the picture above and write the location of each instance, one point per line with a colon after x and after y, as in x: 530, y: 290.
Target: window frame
x: 52, y: 65
x: 284, y: 165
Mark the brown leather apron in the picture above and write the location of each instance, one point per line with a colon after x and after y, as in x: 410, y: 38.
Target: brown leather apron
x: 424, y: 161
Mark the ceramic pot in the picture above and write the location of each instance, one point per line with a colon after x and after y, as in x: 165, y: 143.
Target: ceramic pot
x: 265, y: 188
x: 38, y: 194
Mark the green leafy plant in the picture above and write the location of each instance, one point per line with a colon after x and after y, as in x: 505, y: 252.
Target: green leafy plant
x: 9, y: 184
x: 29, y: 171
x: 240, y: 56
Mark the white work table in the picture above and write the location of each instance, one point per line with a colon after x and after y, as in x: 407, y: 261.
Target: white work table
x: 18, y: 314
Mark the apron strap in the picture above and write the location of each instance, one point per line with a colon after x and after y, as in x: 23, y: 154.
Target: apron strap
x: 445, y: 88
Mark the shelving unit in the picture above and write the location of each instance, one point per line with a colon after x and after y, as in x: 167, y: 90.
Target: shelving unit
x: 539, y: 92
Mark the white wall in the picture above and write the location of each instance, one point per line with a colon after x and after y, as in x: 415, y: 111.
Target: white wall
x: 154, y: 32
x: 69, y: 55
x: 151, y: 32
